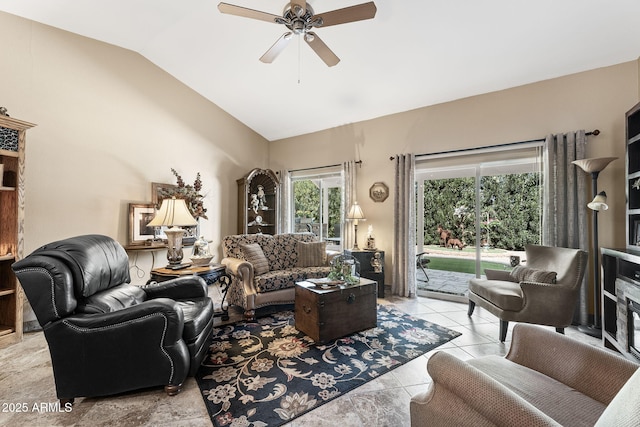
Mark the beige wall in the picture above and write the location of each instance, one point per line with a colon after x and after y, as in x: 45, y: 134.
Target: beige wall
x: 596, y: 99
x: 109, y: 123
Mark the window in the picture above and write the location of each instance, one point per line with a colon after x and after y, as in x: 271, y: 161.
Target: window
x: 316, y: 204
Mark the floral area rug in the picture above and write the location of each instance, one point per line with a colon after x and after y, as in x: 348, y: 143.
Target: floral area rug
x: 266, y: 373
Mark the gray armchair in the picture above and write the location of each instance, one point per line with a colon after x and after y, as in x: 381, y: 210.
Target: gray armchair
x: 544, y: 292
x: 546, y: 379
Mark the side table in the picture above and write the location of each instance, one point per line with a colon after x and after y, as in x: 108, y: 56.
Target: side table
x: 369, y: 268
x: 216, y: 273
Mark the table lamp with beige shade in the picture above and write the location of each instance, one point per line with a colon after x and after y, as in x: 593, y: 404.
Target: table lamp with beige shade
x: 173, y: 213
x: 355, y: 214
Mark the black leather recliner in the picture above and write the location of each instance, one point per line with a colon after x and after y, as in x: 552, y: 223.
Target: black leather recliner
x: 106, y: 335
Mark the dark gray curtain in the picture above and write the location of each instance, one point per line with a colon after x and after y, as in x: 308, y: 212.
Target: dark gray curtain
x: 349, y: 197
x: 404, y: 210
x: 564, y: 215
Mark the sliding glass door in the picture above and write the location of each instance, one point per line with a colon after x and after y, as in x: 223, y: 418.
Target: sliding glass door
x: 511, y: 214
x: 475, y: 212
x: 446, y: 200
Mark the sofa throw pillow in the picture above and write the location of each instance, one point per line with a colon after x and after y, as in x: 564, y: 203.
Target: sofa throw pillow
x: 312, y: 254
x: 526, y: 274
x: 253, y: 253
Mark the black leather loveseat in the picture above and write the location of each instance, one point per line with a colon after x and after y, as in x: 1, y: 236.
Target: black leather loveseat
x: 106, y: 335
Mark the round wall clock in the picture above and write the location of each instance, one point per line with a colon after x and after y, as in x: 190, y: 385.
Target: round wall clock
x: 379, y: 192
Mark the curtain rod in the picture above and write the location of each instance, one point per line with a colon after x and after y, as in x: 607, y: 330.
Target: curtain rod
x: 595, y: 132
x: 358, y: 162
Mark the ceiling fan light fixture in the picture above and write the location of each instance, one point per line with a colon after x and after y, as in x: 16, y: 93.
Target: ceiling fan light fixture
x: 299, y: 19
x: 298, y: 27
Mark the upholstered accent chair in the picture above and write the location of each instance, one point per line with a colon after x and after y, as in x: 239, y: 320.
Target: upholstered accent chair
x: 105, y: 335
x: 546, y: 379
x: 544, y: 292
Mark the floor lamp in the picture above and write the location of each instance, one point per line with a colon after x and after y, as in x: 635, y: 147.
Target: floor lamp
x: 594, y: 166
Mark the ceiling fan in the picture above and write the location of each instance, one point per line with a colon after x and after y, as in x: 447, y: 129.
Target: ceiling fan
x: 299, y: 18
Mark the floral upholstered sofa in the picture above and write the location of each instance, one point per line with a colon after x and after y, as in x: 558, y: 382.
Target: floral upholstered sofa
x: 264, y: 268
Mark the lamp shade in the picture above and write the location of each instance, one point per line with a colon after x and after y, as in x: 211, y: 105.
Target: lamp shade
x: 173, y: 212
x: 594, y: 164
x: 599, y: 203
x: 355, y: 212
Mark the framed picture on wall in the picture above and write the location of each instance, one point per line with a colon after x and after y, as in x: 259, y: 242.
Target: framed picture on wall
x: 379, y: 192
x: 140, y: 215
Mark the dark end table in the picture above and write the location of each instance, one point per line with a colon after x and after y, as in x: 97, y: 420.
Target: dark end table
x: 370, y: 268
x: 212, y: 274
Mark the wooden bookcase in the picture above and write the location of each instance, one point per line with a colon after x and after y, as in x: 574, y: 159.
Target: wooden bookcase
x: 12, y: 150
x: 261, y: 216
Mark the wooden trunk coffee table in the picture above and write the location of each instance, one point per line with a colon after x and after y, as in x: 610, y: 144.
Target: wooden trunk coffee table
x: 325, y: 314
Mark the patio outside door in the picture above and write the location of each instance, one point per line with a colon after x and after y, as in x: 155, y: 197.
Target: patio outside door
x: 474, y: 217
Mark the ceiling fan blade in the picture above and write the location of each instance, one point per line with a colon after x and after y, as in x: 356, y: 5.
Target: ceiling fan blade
x: 277, y: 47
x: 321, y: 49
x: 247, y: 13
x: 348, y: 14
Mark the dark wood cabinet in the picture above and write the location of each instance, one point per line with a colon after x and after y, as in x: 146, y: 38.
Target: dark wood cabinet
x: 621, y: 267
x: 258, y: 203
x: 632, y: 169
x: 620, y: 292
x: 371, y: 266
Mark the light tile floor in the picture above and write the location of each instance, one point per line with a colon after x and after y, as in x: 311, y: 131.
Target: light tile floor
x: 26, y: 378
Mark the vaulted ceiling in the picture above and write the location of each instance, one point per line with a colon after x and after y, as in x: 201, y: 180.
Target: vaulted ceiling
x: 414, y: 53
